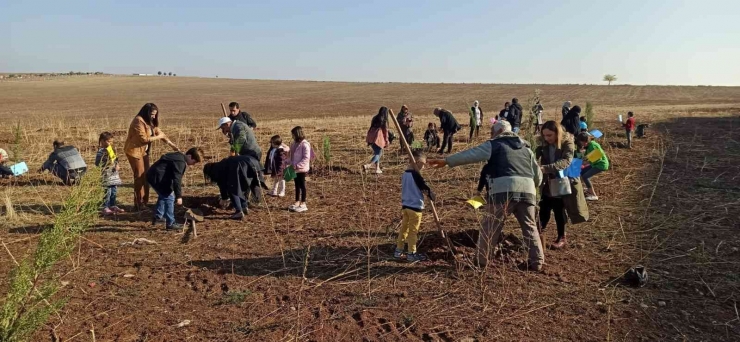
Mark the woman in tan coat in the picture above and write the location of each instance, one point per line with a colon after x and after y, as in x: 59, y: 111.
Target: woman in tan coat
x: 144, y: 130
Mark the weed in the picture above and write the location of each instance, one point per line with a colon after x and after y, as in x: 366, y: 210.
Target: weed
x: 234, y: 297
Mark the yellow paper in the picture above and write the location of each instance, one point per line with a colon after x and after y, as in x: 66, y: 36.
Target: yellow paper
x: 476, y: 202
x: 594, y: 156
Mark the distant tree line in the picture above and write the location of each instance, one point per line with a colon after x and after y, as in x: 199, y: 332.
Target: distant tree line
x: 165, y: 73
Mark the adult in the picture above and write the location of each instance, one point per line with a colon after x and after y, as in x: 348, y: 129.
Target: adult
x: 244, y: 143
x: 515, y: 115
x: 572, y: 121
x: 66, y: 163
x: 236, y: 178
x: 476, y: 119
x: 504, y: 113
x: 143, y: 130
x: 235, y: 114
x: 513, y: 176
x: 537, y: 109
x: 406, y: 121
x: 449, y: 126
x: 377, y: 139
x: 566, y: 108
x: 241, y: 138
x: 555, y: 153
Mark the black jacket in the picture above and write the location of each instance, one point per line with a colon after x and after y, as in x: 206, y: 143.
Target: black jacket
x: 237, y: 176
x: 515, y: 115
x: 5, y: 171
x: 447, y: 122
x: 503, y: 114
x: 572, y: 121
x: 165, y: 175
x: 245, y: 118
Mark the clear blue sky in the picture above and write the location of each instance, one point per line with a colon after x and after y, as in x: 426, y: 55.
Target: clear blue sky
x: 642, y: 42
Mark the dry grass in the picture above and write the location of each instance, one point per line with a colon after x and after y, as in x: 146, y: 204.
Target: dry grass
x: 344, y: 287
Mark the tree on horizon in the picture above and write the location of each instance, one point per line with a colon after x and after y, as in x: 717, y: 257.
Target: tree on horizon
x: 159, y: 73
x: 610, y: 78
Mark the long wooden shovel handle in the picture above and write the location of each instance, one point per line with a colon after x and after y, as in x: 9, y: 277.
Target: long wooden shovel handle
x: 223, y: 109
x: 406, y: 146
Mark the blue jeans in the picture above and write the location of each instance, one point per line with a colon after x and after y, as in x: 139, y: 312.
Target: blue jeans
x: 587, y: 173
x: 165, y: 208
x: 111, y: 193
x: 377, y: 152
x: 239, y: 203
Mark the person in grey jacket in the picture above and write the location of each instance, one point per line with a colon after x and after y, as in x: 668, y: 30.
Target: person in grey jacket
x: 513, y: 176
x: 66, y: 163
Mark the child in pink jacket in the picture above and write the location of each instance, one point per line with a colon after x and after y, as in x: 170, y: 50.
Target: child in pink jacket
x: 300, y: 159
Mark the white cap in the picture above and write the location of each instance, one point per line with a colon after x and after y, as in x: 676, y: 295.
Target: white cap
x: 3, y: 155
x: 222, y: 121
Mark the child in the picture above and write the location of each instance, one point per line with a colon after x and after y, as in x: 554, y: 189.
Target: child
x: 584, y: 140
x: 583, y: 124
x: 165, y: 176
x: 66, y: 163
x: 412, y: 201
x: 275, y: 162
x: 300, y: 159
x: 4, y: 170
x: 431, y: 137
x: 107, y: 161
x: 629, y: 126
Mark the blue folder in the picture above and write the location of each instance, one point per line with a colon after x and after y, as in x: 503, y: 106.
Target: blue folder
x: 596, y: 134
x: 574, y: 170
x: 19, y: 169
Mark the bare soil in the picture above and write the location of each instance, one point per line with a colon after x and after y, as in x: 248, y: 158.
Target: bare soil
x: 329, y: 274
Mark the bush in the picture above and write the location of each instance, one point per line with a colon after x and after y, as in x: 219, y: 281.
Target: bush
x: 589, y: 113
x: 32, y: 284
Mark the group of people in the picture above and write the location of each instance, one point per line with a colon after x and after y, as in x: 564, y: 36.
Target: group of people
x: 513, y: 175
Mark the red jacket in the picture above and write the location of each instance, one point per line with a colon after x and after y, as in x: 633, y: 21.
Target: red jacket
x: 630, y: 124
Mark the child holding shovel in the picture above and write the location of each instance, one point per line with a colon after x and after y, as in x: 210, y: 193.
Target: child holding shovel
x: 412, y: 204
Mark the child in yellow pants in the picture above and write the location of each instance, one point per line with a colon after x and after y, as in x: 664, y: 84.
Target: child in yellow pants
x: 412, y: 202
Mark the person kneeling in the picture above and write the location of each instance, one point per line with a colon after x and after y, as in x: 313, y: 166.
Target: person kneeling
x: 165, y: 176
x: 236, y: 177
x: 66, y: 163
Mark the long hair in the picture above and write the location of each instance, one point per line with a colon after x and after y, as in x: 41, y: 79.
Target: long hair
x: 297, y: 133
x: 553, y: 126
x: 145, y: 113
x: 380, y: 120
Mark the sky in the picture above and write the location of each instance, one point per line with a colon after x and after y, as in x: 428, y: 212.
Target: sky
x: 520, y: 41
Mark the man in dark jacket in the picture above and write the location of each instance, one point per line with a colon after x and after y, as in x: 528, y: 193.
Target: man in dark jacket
x: 236, y: 115
x: 515, y: 115
x: 449, y: 126
x: 66, y: 163
x: 513, y: 176
x: 165, y: 177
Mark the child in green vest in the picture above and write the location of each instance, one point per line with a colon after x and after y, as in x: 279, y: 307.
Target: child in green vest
x: 585, y: 141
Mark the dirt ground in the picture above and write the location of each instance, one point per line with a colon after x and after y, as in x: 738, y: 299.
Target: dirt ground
x: 328, y: 274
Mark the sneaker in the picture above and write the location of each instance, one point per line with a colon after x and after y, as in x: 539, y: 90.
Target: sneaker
x: 238, y: 216
x: 117, y: 210
x: 378, y: 171
x: 292, y: 207
x: 413, y: 257
x: 592, y: 198
x: 157, y: 220
x: 366, y: 167
x: 282, y: 194
x: 107, y: 212
x: 175, y: 227
x: 301, y: 208
x: 398, y: 254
